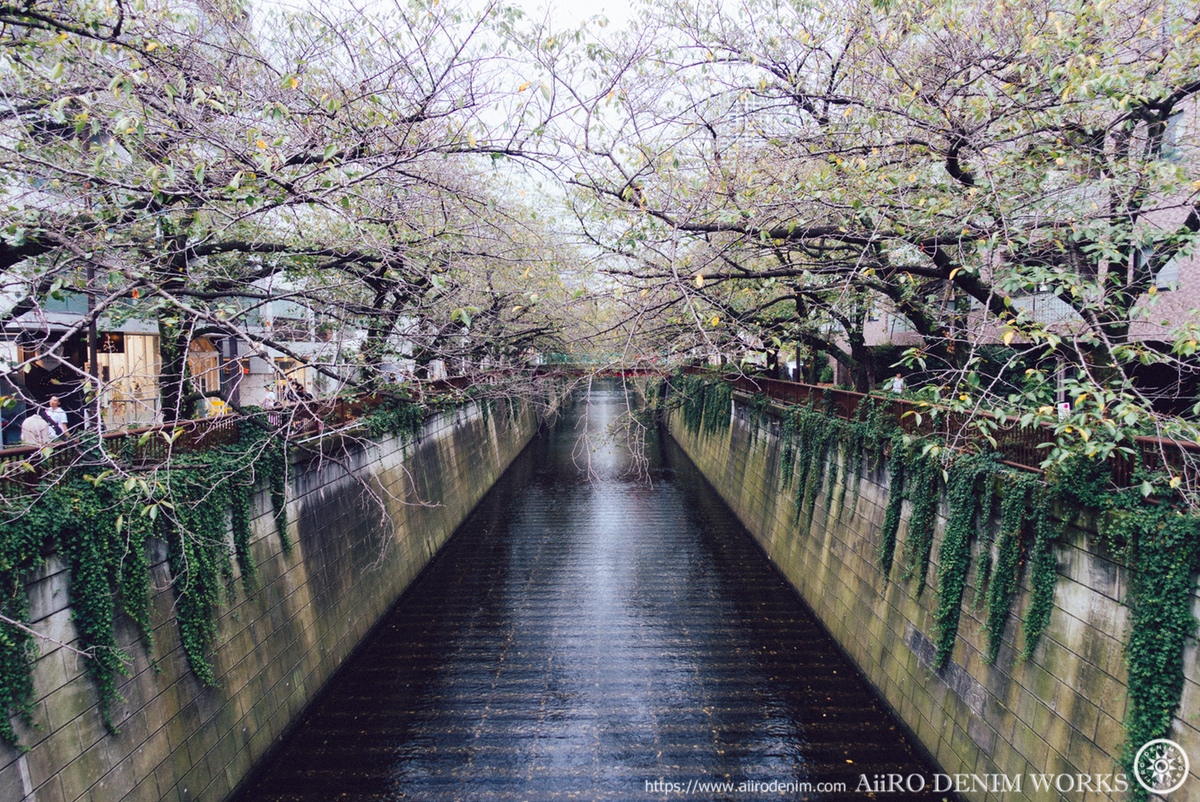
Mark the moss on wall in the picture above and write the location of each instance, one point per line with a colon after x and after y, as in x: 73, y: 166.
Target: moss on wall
x: 275, y: 644
x: 954, y: 671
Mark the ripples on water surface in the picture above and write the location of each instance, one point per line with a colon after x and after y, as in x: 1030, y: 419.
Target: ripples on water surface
x: 591, y: 634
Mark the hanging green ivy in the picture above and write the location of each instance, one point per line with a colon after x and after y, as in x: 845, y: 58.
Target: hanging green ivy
x: 100, y: 523
x: 240, y: 511
x: 274, y: 468
x: 891, y: 515
x: 717, y: 408
x: 87, y: 521
x: 815, y: 453
x: 690, y: 397
x: 199, y: 563
x: 1076, y: 484
x: 983, y: 571
x: 922, y: 480
x: 1043, y: 573
x: 92, y: 545
x: 758, y: 414
x: 1163, y: 549
x: 705, y: 403
x: 17, y: 648
x: 402, y: 418
x: 788, y: 433
x: 1006, y: 573
x: 22, y: 548
x: 1160, y: 543
x: 811, y: 454
x: 954, y: 557
x: 846, y: 477
x: 868, y: 438
x: 812, y: 448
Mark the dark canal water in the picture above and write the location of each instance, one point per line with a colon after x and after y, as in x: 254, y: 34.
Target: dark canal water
x: 591, y: 633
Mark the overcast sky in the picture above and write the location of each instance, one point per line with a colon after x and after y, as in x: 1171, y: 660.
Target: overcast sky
x: 571, y: 13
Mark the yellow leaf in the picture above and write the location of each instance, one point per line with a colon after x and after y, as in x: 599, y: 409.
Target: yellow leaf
x: 1008, y: 336
x: 292, y: 82
x: 261, y: 145
x: 716, y: 321
x: 471, y: 138
x: 1176, y: 481
x: 699, y: 280
x: 955, y: 272
x: 523, y: 87
x: 150, y: 47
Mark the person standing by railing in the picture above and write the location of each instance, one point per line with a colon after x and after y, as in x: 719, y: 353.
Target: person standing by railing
x: 57, y: 417
x: 45, y: 425
x: 35, y: 431
x: 296, y: 392
x: 271, y: 405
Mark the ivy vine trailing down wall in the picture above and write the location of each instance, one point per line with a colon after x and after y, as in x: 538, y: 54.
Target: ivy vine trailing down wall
x: 101, y: 525
x: 1157, y: 539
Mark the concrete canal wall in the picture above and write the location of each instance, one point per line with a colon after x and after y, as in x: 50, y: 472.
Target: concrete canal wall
x: 352, y: 559
x: 1058, y: 713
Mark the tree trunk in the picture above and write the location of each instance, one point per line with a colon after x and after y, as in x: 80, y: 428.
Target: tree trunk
x: 174, y: 384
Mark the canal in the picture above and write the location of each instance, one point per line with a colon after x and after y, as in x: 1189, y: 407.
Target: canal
x: 601, y: 627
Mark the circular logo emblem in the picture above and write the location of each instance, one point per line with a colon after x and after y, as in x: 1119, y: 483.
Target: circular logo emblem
x: 1161, y: 766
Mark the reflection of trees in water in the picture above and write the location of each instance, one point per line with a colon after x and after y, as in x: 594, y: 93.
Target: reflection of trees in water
x: 616, y: 419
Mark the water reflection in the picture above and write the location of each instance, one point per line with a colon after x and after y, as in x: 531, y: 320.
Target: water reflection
x: 598, y: 627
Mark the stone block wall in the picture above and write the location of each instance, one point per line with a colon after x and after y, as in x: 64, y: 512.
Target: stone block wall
x: 1058, y: 713
x: 364, y: 521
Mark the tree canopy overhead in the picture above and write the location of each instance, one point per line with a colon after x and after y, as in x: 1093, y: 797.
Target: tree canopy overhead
x: 213, y: 160
x: 1003, y: 193
x: 1007, y: 191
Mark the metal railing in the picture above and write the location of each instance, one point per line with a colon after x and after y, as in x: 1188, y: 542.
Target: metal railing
x: 1022, y: 447
x: 609, y: 371
x: 23, y: 467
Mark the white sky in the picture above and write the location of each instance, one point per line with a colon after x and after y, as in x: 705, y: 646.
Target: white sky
x: 570, y: 13
x: 563, y: 13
